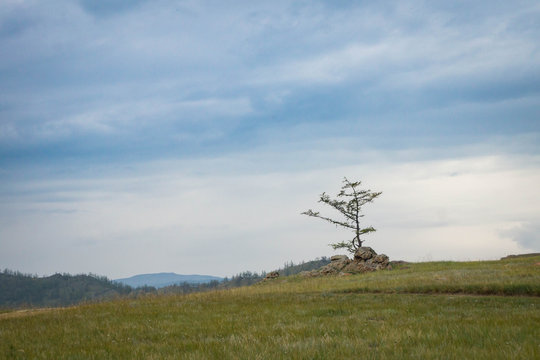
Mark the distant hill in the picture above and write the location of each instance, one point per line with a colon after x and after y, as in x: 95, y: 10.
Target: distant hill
x: 17, y: 289
x: 245, y: 278
x: 22, y: 290
x: 166, y: 279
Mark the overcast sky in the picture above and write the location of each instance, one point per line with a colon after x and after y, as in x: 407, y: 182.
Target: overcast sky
x: 188, y: 136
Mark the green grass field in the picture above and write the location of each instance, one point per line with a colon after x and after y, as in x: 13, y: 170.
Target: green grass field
x: 438, y: 310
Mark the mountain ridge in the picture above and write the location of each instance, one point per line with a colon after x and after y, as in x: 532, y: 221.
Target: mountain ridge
x: 163, y: 279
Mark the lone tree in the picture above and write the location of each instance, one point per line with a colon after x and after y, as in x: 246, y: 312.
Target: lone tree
x: 351, y: 211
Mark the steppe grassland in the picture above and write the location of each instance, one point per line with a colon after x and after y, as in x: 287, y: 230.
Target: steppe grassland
x: 425, y: 310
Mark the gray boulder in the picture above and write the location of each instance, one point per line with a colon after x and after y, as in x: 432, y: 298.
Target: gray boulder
x: 381, y: 259
x: 335, y: 266
x: 365, y: 260
x: 364, y: 253
x: 339, y: 257
x: 271, y: 275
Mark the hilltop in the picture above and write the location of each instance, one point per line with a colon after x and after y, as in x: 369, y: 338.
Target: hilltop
x: 17, y: 289
x: 453, y: 310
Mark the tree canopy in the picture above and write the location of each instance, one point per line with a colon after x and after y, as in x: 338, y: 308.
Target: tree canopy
x: 348, y: 203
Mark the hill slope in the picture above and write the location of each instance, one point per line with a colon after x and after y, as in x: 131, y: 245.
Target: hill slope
x: 18, y: 289
x: 419, y: 311
x: 160, y: 280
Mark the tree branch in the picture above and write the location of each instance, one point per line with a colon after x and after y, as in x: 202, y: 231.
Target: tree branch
x: 335, y: 222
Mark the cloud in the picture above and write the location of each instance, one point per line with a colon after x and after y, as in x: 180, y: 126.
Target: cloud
x: 8, y: 131
x: 123, y: 123
x: 437, y: 66
x: 526, y: 235
x: 330, y: 67
x: 111, y: 7
x: 146, y: 112
x: 178, y: 214
x: 15, y: 23
x: 69, y: 76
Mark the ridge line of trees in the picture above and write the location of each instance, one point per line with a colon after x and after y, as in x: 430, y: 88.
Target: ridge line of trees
x: 18, y: 290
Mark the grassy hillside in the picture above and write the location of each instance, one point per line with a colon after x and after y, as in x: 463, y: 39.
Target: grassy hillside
x: 475, y: 310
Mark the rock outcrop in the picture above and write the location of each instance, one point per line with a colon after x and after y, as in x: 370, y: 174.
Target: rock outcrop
x: 271, y: 275
x: 365, y: 259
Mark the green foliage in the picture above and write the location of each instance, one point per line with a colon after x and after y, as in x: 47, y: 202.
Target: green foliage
x: 20, y: 290
x: 291, y: 268
x: 297, y: 318
x: 350, y: 211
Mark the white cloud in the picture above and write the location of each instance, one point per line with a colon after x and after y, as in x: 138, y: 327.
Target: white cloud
x: 405, y: 61
x: 262, y: 74
x: 135, y: 114
x: 329, y: 67
x: 229, y: 214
